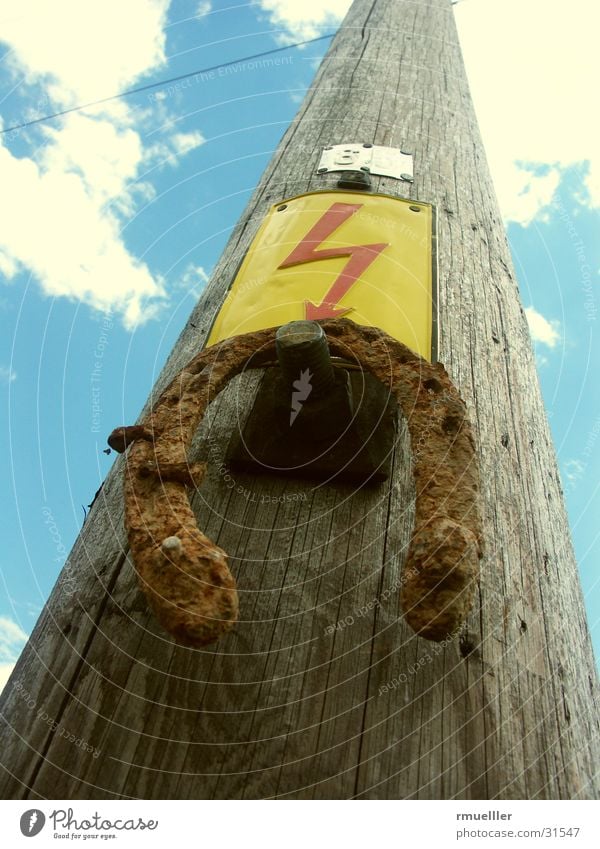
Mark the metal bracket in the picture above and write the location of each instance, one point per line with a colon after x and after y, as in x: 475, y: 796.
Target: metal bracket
x: 313, y: 421
x: 371, y: 158
x: 359, y: 449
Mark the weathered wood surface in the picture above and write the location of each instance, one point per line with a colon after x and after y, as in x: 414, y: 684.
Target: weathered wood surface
x: 284, y: 706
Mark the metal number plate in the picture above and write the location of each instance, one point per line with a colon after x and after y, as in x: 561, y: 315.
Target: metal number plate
x: 377, y: 160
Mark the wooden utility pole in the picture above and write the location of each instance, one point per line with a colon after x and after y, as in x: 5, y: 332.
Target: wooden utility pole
x: 103, y: 704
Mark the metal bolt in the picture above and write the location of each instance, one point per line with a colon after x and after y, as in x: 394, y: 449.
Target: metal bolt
x: 415, y: 208
x: 365, y: 168
x: 302, y: 345
x: 367, y: 145
x: 282, y: 207
x: 172, y: 547
x: 406, y: 177
x: 321, y: 170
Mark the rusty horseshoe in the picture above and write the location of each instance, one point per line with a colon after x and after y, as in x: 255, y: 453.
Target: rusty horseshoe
x: 185, y: 576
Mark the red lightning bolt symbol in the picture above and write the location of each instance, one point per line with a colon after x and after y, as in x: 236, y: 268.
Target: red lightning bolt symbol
x: 361, y: 257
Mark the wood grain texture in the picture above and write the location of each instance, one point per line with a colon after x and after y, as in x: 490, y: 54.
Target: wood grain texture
x: 322, y: 691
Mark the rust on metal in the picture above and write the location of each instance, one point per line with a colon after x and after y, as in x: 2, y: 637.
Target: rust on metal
x: 122, y: 437
x: 185, y: 576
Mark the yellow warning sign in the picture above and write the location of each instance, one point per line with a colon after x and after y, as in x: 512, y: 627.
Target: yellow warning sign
x: 368, y: 257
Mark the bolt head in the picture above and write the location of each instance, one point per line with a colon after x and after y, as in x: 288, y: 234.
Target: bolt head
x: 171, y: 546
x: 298, y: 332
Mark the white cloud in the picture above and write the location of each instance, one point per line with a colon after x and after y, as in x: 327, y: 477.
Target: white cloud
x: 8, y: 266
x: 523, y: 192
x: 573, y: 471
x: 7, y: 374
x: 75, y: 189
x: 5, y: 673
x: 203, y: 8
x: 105, y: 155
x: 196, y: 272
x: 543, y: 331
x: 84, y: 50
x: 184, y: 142
x: 194, y: 280
x: 533, y: 69
x: 12, y: 639
x: 61, y: 230
x: 169, y: 151
x: 305, y: 19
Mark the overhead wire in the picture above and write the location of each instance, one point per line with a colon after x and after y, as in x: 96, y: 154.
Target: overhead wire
x: 160, y: 84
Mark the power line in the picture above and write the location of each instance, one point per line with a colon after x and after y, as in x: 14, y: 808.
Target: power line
x: 149, y: 86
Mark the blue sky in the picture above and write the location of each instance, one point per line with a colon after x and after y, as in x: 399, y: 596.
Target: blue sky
x: 112, y: 218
